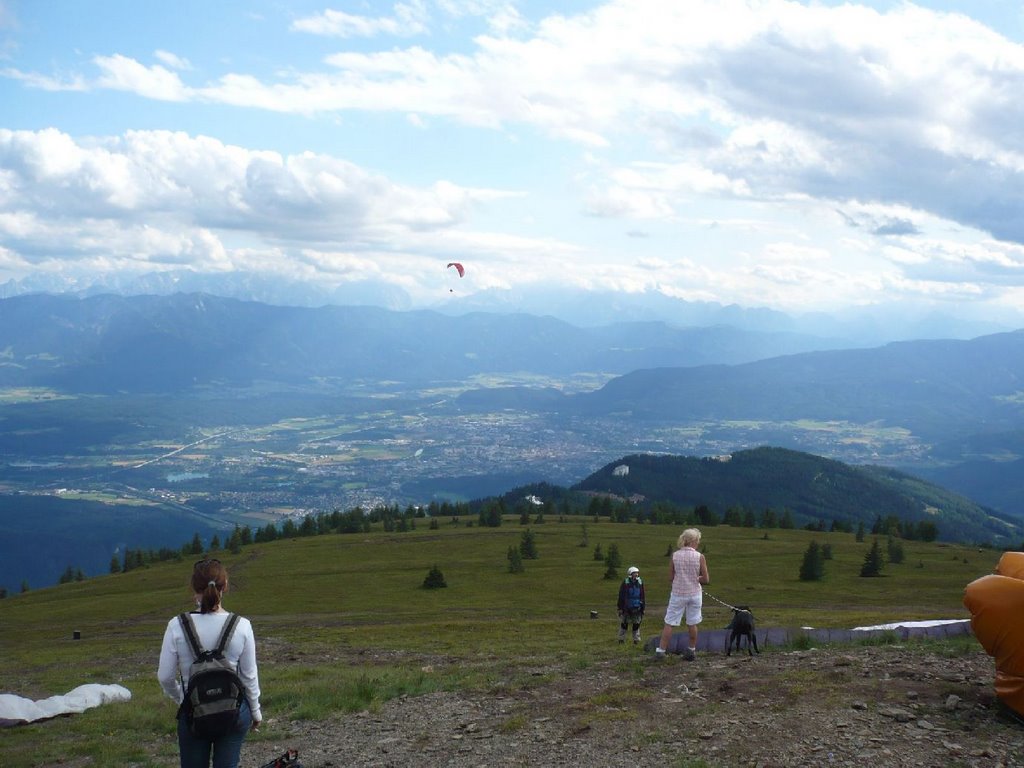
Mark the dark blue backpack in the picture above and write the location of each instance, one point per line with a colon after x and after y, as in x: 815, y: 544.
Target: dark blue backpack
x: 633, y: 601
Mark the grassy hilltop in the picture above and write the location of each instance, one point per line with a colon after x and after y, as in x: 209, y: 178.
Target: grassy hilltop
x: 343, y: 623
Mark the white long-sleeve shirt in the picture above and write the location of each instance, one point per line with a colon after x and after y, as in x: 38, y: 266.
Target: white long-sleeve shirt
x: 176, y: 656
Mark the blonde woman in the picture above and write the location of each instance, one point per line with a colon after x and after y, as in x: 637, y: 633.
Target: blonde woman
x: 688, y: 573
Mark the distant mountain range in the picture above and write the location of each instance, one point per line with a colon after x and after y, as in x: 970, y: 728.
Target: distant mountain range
x: 857, y: 326
x: 179, y: 342
x: 940, y: 390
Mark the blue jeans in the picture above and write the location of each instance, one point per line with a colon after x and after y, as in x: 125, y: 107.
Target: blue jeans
x: 195, y: 753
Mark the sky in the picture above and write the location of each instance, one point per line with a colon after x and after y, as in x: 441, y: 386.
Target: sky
x: 792, y: 155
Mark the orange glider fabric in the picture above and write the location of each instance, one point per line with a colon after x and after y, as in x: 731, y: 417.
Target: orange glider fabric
x: 996, y: 603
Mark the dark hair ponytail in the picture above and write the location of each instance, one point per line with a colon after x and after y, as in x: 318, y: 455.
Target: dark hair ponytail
x: 209, y: 579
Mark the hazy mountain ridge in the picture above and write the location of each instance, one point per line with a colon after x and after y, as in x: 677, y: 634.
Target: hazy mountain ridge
x: 859, y: 326
x: 169, y: 343
x: 933, y: 387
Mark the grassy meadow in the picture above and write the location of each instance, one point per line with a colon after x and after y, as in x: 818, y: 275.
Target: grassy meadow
x: 343, y: 623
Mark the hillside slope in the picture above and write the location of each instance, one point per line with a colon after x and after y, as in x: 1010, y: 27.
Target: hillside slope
x: 811, y: 487
x: 938, y: 389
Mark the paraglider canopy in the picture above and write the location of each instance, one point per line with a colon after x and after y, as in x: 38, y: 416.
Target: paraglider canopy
x: 457, y: 266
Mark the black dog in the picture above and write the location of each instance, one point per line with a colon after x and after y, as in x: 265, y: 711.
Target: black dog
x: 742, y: 625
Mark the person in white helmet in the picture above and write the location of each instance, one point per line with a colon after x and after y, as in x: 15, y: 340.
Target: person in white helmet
x: 632, y: 602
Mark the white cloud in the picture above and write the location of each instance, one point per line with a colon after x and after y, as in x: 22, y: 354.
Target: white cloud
x: 172, y: 60
x: 121, y: 73
x: 839, y: 102
x: 761, y: 142
x: 409, y: 19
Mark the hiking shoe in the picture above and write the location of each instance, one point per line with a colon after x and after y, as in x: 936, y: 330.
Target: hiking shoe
x: 636, y: 638
x: 689, y: 654
x: 659, y: 654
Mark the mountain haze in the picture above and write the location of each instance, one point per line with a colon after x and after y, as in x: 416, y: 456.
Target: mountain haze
x: 172, y: 343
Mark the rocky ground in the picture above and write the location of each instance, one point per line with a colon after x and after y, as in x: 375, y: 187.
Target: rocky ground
x: 855, y: 706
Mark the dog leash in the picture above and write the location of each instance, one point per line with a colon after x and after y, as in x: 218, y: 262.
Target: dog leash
x: 722, y: 602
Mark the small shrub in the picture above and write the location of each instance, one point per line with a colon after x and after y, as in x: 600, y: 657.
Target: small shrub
x: 434, y: 579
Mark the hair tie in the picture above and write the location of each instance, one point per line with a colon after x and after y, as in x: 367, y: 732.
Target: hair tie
x: 212, y: 584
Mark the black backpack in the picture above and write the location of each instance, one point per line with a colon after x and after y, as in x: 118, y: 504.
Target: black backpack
x: 215, y: 692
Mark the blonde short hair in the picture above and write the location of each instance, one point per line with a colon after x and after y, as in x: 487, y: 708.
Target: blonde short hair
x: 689, y: 538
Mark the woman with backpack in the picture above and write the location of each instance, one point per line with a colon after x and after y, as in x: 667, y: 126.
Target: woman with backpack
x: 208, y: 667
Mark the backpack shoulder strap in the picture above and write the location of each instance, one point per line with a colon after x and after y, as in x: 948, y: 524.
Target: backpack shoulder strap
x: 227, y: 632
x: 190, y: 634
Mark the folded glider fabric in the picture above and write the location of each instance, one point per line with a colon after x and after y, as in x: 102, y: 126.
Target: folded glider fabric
x: 15, y: 710
x: 996, y: 603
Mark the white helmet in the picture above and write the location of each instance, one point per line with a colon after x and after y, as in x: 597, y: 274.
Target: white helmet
x: 632, y: 569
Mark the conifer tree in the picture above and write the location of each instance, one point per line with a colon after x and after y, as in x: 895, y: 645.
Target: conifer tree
x: 115, y: 564
x: 872, y: 561
x: 894, y: 550
x: 613, y: 561
x: 528, y: 545
x: 598, y: 554
x: 813, y: 566
x: 613, y: 558
x: 860, y: 531
x: 434, y: 579
x: 515, y: 561
x: 610, y: 571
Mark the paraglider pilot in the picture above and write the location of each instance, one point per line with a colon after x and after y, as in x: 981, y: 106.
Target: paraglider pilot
x: 632, y: 602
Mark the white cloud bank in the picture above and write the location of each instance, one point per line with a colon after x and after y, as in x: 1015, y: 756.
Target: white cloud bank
x: 893, y: 137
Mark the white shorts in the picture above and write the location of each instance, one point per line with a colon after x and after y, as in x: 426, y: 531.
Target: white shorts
x: 690, y: 605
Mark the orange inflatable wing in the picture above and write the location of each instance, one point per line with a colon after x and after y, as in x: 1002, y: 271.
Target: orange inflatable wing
x: 996, y: 603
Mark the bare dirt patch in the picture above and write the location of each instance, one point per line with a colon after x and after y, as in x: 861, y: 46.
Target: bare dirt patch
x: 856, y: 706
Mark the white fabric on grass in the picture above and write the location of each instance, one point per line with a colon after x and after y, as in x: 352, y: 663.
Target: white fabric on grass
x: 17, y: 709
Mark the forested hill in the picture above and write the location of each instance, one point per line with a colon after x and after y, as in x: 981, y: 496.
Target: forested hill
x: 810, y: 488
